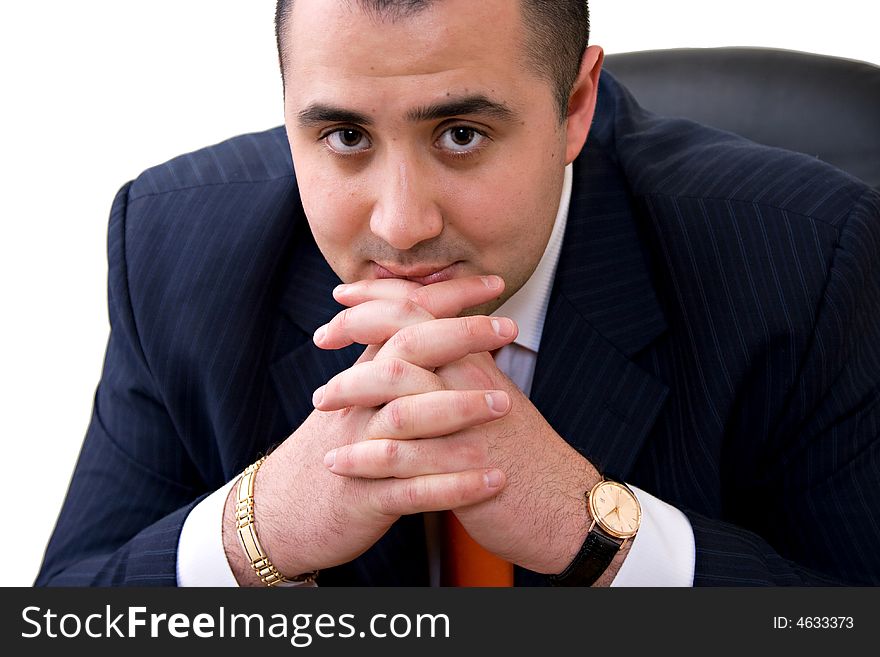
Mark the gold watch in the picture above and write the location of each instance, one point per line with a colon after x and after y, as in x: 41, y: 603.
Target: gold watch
x: 616, y: 516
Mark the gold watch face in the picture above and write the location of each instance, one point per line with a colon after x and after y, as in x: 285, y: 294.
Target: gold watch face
x: 616, y: 509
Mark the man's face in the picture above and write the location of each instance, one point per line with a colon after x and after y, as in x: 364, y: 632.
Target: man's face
x: 424, y: 147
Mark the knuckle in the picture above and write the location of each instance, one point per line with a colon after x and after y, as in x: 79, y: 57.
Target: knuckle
x: 472, y: 326
x: 389, y: 452
x: 345, y: 319
x: 387, y: 422
x: 403, y: 310
x: 392, y: 370
x: 406, y: 340
x: 393, y: 500
x: 398, y: 412
x: 412, y: 309
x: 414, y: 493
x: 464, y: 405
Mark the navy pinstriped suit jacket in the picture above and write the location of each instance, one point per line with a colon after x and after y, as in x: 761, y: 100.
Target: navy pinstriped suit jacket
x: 713, y: 337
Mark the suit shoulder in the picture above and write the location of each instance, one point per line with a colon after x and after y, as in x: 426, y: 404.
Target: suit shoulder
x: 216, y: 220
x: 714, y: 165
x: 221, y: 200
x: 249, y: 158
x: 679, y: 158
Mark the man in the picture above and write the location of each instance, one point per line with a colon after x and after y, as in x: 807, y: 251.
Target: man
x: 705, y: 314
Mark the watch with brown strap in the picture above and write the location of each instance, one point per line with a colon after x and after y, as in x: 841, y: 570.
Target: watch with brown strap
x: 616, y: 516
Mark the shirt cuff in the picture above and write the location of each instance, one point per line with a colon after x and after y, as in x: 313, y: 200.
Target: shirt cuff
x: 662, y: 552
x: 201, y: 559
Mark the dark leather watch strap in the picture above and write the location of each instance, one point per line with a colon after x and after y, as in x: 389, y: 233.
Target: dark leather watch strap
x: 594, y: 557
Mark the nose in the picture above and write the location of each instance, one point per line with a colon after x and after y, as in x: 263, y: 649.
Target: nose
x: 404, y: 212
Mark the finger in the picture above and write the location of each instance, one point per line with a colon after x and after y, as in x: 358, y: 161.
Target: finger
x: 368, y: 289
x: 438, y: 492
x: 372, y: 322
x: 403, y: 459
x: 439, y: 413
x: 374, y: 383
x: 443, y: 341
x: 369, y: 353
x: 443, y: 299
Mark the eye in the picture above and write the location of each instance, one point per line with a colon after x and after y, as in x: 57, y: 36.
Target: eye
x: 347, y: 141
x: 461, y: 139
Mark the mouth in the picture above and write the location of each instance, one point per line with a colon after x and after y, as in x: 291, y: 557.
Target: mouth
x: 424, y: 275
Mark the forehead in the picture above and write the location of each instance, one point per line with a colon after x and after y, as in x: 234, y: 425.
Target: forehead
x: 334, y: 47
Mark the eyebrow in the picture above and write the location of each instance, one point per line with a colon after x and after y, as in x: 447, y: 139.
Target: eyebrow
x: 319, y: 113
x: 477, y: 104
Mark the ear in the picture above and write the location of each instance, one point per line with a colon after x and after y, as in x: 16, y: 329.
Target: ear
x: 582, y: 102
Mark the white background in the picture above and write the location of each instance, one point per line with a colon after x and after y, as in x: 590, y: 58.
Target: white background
x: 93, y: 92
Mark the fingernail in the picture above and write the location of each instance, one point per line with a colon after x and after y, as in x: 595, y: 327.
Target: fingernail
x: 492, y: 282
x: 320, y: 333
x: 503, y: 327
x: 318, y: 396
x: 492, y: 478
x: 340, y: 289
x: 497, y: 401
x: 330, y: 458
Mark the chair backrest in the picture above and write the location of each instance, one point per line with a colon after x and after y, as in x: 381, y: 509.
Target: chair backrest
x: 823, y: 106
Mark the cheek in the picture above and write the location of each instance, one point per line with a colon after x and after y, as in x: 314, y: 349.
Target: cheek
x: 506, y: 209
x: 510, y: 211
x: 331, y: 202
x: 333, y: 210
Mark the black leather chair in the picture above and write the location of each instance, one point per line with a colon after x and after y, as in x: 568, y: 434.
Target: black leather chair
x: 823, y: 106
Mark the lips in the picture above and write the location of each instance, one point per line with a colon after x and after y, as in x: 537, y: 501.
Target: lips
x: 424, y: 275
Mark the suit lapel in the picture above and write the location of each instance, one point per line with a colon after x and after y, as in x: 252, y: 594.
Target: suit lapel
x: 602, y: 311
x: 307, y: 301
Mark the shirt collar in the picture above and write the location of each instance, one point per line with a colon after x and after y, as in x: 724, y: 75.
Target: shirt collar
x: 528, y: 306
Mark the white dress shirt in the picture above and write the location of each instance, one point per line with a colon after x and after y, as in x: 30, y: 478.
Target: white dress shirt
x: 662, y: 552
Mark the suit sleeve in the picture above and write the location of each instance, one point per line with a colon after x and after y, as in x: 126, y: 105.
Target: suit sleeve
x: 133, y: 484
x: 814, y: 519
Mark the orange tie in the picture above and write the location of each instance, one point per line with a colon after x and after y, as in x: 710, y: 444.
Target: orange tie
x: 464, y: 561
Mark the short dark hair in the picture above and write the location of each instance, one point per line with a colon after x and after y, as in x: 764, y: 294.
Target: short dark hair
x: 559, y: 35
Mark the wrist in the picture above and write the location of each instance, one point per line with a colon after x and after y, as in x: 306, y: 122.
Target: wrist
x: 241, y: 569
x: 249, y: 542
x: 576, y: 524
x: 614, y: 515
